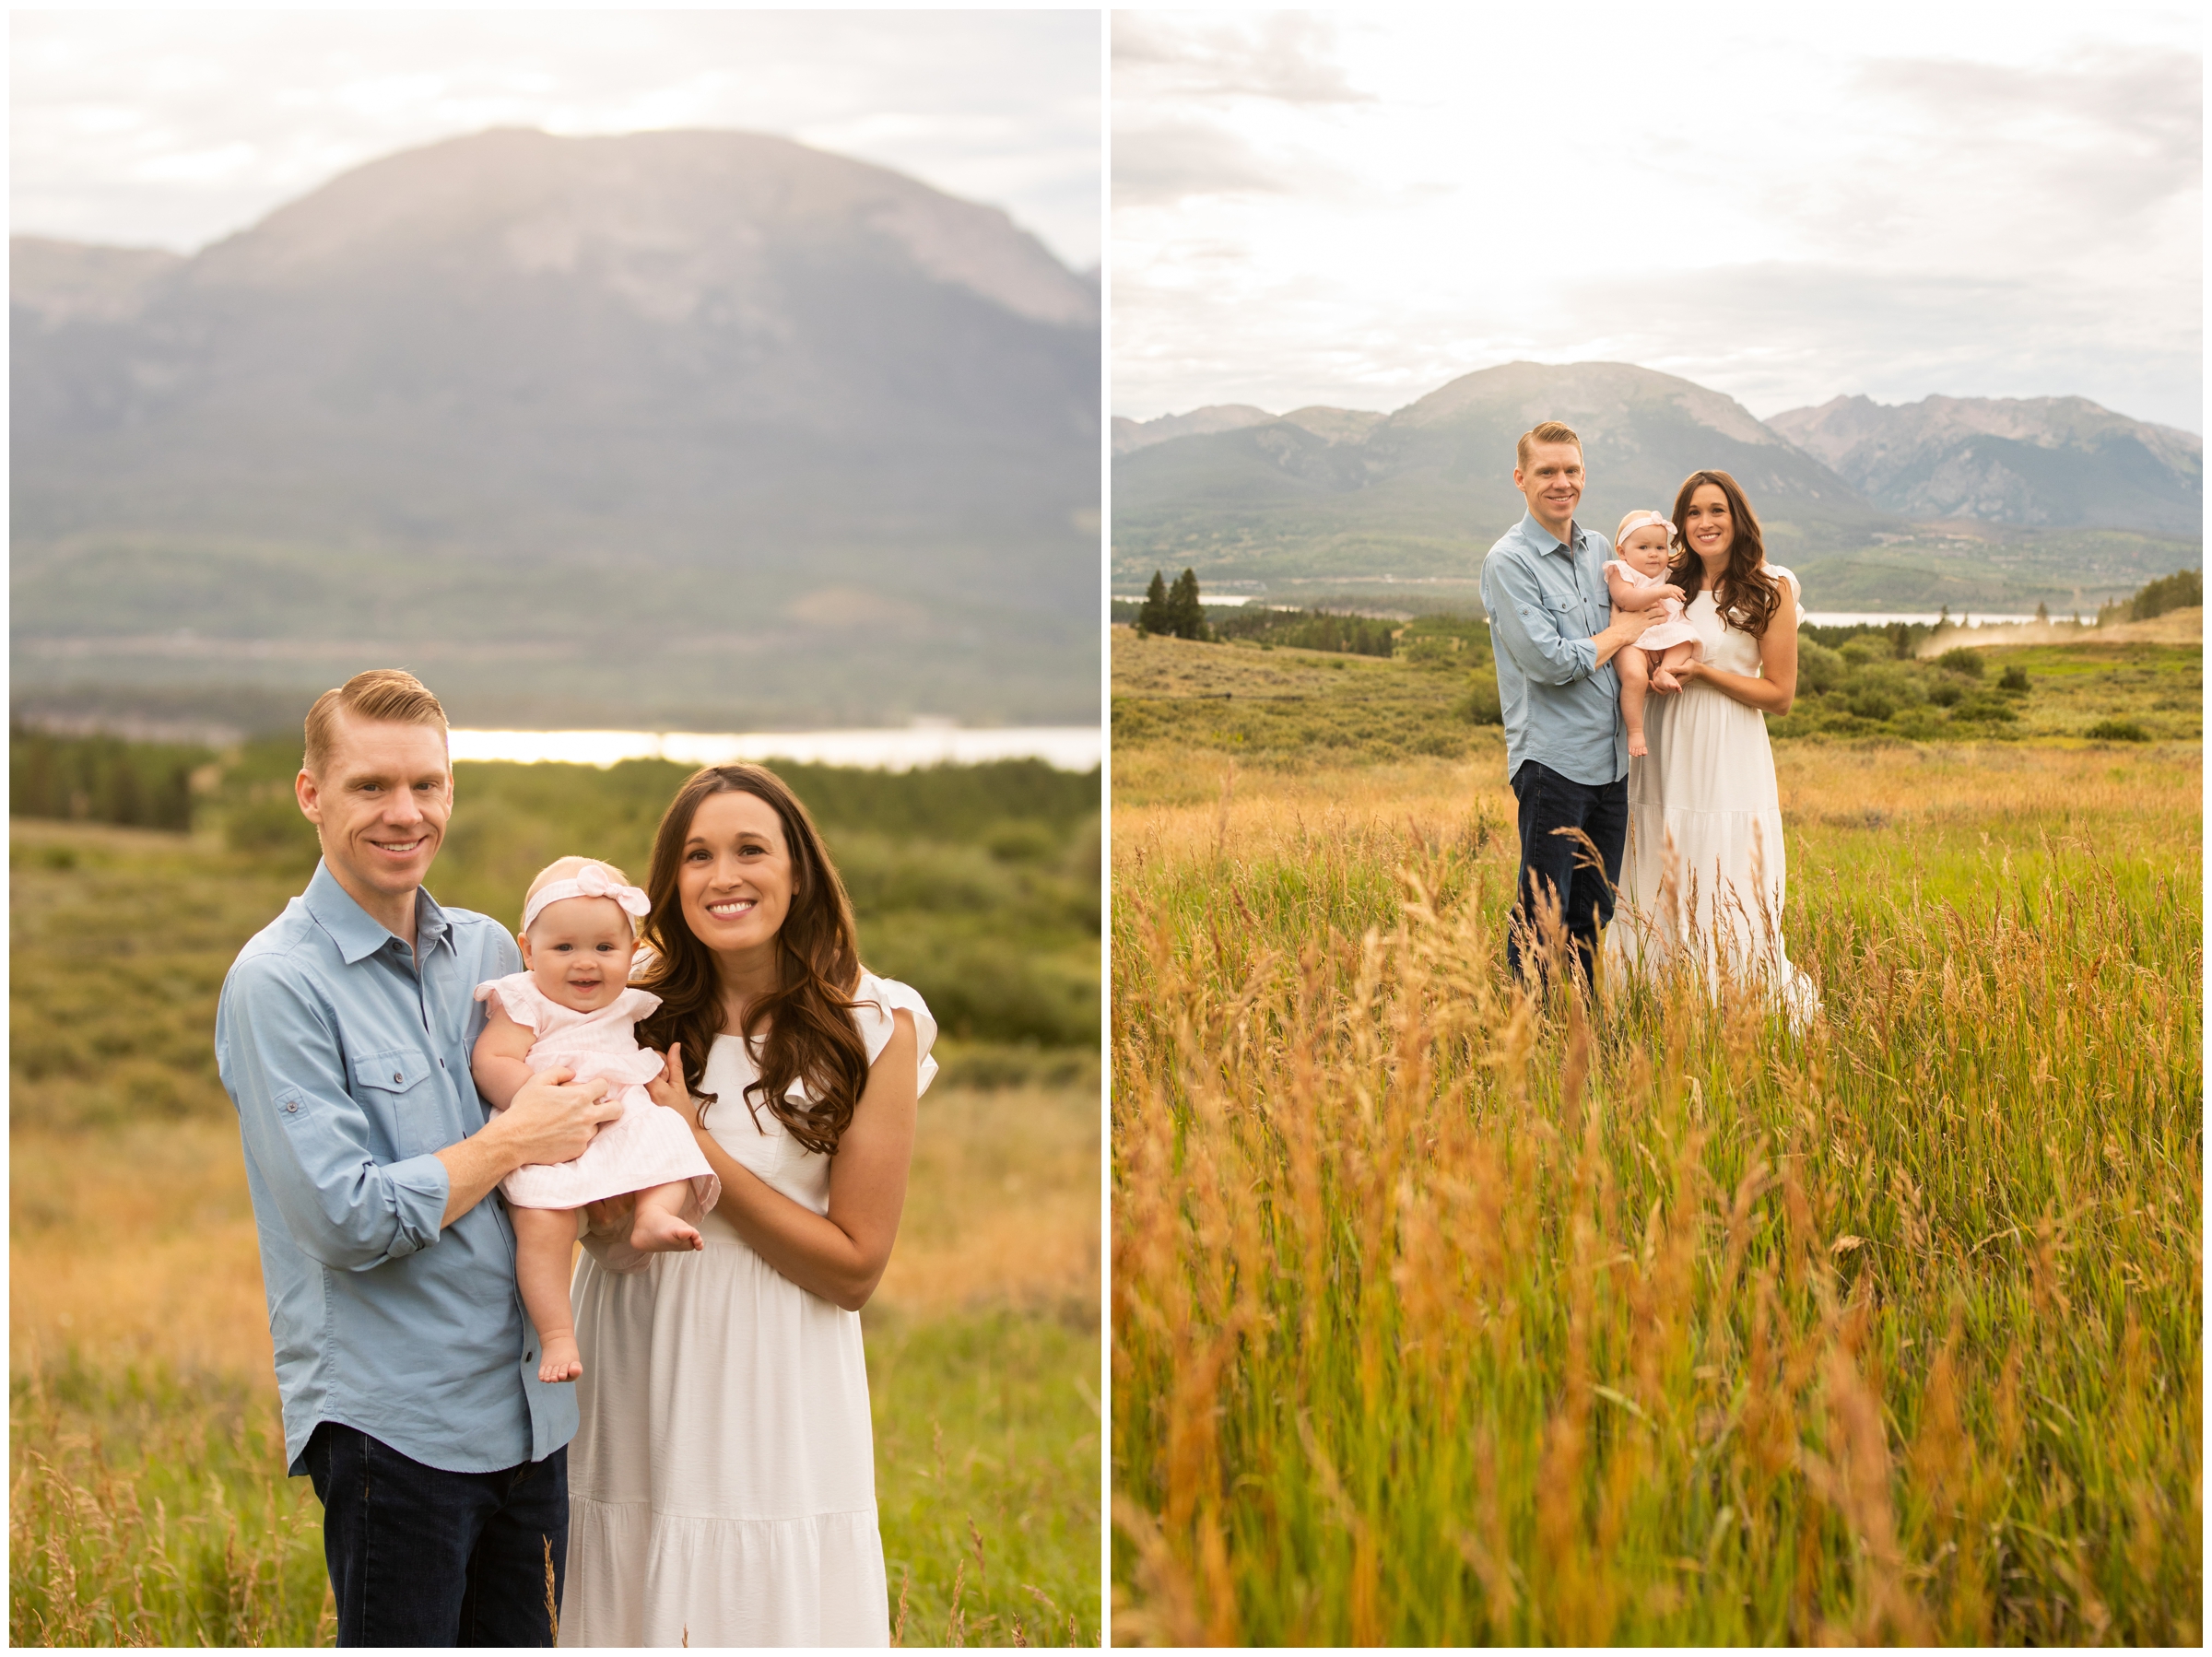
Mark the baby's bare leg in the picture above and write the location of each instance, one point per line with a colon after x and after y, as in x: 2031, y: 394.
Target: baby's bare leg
x: 661, y: 1227
x: 1663, y: 670
x: 1633, y: 671
x: 545, y: 1245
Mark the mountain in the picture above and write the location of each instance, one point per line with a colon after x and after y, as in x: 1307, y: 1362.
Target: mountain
x: 700, y: 429
x: 2048, y: 462
x: 1330, y: 496
x: 1218, y: 416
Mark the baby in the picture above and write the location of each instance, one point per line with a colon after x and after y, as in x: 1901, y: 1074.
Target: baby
x: 1637, y: 580
x: 573, y: 1006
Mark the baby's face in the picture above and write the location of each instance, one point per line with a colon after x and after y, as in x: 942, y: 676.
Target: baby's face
x: 1645, y: 550
x: 579, y: 950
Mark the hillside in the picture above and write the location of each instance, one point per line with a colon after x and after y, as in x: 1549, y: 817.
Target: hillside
x: 2045, y: 462
x: 801, y: 433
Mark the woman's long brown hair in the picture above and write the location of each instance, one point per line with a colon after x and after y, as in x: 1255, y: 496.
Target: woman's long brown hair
x: 1746, y: 595
x: 811, y: 1037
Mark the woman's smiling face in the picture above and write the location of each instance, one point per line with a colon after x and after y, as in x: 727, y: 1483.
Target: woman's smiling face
x: 734, y: 880
x: 1707, y: 528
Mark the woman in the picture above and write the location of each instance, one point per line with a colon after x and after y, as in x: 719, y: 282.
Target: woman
x: 722, y: 1484
x: 1704, y: 873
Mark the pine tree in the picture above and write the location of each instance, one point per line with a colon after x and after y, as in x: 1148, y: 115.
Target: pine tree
x: 1154, y: 617
x: 2042, y: 611
x: 1186, y: 619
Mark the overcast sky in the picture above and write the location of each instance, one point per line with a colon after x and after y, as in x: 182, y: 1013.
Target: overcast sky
x: 1783, y: 203
x: 173, y: 129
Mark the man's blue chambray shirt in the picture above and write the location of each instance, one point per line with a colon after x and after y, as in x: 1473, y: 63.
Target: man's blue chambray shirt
x: 349, y: 1069
x: 1546, y: 601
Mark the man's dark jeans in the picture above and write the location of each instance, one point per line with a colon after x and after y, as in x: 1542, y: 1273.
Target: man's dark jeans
x: 420, y: 1556
x: 1555, y: 867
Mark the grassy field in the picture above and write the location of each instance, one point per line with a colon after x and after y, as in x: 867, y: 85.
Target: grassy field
x: 148, y: 1502
x: 1438, y: 697
x: 1444, y: 1315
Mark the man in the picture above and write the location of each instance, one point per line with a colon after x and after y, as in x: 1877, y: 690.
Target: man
x: 407, y: 1371
x: 1566, y: 750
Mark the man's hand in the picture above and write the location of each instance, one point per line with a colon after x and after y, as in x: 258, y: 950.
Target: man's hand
x: 1628, y: 626
x: 550, y: 1118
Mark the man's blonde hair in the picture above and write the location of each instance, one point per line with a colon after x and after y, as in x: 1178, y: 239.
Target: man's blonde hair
x: 388, y: 695
x: 1547, y: 431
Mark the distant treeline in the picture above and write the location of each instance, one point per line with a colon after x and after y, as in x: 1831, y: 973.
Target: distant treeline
x: 977, y: 884
x: 2183, y: 589
x: 101, y: 779
x: 1310, y: 629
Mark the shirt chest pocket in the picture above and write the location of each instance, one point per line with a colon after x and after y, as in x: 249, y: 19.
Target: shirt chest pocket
x: 395, y: 1087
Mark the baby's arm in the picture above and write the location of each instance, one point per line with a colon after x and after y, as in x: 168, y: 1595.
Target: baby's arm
x: 501, y: 1061
x: 1627, y: 595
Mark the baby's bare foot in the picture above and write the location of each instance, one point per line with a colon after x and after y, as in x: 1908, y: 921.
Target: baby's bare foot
x: 659, y: 1232
x: 1664, y: 680
x: 563, y: 1361
x: 1636, y: 748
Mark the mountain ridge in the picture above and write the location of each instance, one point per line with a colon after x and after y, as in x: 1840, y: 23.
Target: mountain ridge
x: 791, y: 398
x: 1322, y: 498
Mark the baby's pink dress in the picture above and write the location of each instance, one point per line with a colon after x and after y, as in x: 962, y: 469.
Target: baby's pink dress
x: 1670, y: 630
x: 645, y: 1146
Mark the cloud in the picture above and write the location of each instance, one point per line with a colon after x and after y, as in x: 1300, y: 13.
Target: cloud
x: 1155, y: 165
x: 177, y: 128
x: 2084, y: 149
x: 1287, y: 57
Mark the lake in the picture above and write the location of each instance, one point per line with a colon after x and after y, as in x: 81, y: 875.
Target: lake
x: 1065, y: 748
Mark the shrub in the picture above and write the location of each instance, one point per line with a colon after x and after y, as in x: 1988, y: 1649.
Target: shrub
x: 1820, y: 669
x: 2016, y: 678
x: 1480, y: 706
x: 2116, y: 730
x: 1962, y: 660
x: 1945, y: 693
x: 1986, y: 711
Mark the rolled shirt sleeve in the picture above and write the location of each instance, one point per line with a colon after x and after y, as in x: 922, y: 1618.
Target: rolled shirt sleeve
x: 1524, y: 624
x: 310, y: 1139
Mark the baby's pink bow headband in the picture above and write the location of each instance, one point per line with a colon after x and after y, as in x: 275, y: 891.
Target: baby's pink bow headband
x: 1636, y: 521
x: 590, y: 881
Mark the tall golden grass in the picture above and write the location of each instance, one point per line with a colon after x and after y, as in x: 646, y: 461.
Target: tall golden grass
x: 1447, y: 1312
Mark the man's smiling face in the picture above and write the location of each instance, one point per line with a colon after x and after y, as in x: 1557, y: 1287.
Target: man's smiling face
x: 381, y: 805
x: 1552, y: 481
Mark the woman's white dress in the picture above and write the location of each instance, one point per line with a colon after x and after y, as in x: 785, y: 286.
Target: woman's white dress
x: 1704, y: 873
x: 722, y: 1484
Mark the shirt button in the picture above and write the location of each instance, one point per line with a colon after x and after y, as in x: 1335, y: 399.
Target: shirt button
x: 396, y: 1076
x: 292, y: 1110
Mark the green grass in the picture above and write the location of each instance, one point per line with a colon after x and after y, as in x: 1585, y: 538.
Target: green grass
x: 150, y: 1507
x: 1287, y: 708
x: 987, y: 1444
x: 1442, y: 1315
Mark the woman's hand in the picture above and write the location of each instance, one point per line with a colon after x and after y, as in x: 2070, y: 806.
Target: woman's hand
x: 668, y: 1089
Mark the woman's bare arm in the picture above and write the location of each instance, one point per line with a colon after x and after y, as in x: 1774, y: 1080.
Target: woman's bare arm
x: 1773, y: 689
x: 841, y: 1255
